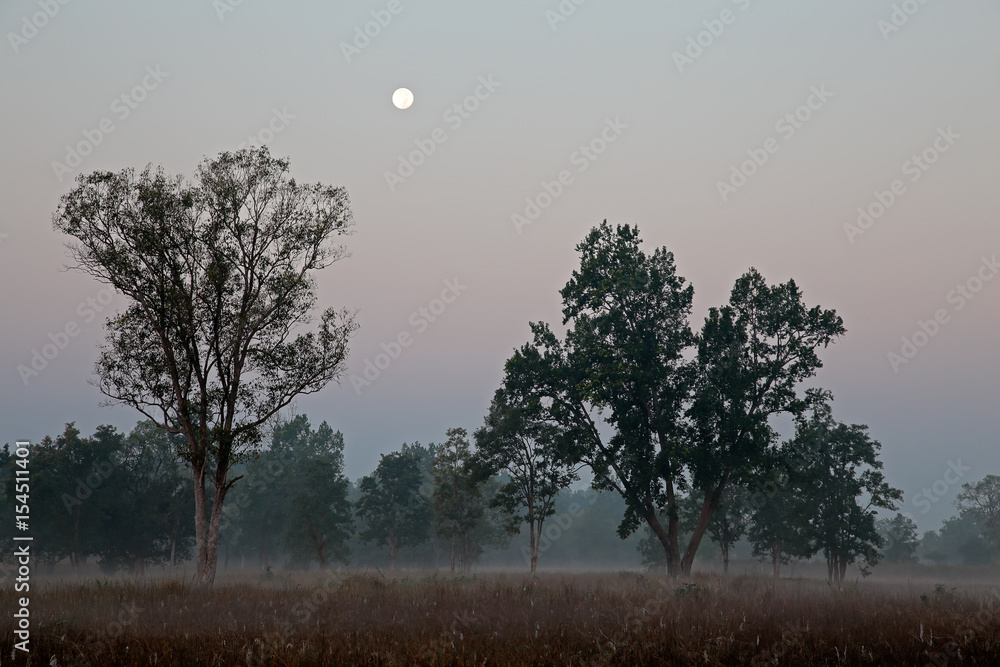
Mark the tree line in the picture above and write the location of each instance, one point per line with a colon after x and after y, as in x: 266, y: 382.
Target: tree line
x: 124, y: 500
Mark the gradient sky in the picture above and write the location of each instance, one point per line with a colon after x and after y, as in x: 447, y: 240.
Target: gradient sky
x: 227, y: 68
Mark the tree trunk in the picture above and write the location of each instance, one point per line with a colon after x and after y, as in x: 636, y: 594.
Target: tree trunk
x: 668, y: 537
x: 669, y: 541
x: 725, y: 558
x: 207, y: 529
x: 776, y: 559
x: 212, y: 555
x: 704, y: 518
x: 200, y: 520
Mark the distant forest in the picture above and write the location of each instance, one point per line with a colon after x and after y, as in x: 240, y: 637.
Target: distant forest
x: 125, y: 502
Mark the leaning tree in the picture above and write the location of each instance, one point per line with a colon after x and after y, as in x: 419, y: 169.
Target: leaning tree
x: 219, y: 277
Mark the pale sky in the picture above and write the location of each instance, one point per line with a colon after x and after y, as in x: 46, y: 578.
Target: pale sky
x: 670, y: 120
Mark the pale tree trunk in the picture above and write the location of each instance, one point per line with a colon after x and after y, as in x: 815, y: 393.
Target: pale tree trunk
x: 211, y: 560
x: 200, y: 521
x: 206, y: 529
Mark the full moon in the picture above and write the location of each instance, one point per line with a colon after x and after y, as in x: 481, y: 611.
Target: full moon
x: 402, y: 98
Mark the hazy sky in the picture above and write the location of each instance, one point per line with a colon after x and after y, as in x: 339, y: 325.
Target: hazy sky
x: 668, y: 99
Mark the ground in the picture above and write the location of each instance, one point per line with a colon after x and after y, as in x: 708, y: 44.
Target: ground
x: 407, y: 618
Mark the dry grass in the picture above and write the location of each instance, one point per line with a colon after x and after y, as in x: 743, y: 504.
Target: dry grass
x: 492, y: 619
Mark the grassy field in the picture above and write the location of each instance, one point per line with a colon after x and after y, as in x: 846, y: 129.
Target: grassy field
x: 341, y: 618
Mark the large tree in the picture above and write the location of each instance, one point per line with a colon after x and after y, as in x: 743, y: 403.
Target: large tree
x: 219, y: 277
x: 622, y: 364
x: 753, y: 354
x: 516, y: 442
x: 671, y: 420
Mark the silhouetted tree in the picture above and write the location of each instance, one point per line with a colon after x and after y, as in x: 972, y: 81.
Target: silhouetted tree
x: 320, y: 519
x: 623, y: 362
x: 844, y: 484
x: 457, y: 496
x: 982, y: 501
x: 899, y: 536
x: 218, y: 274
x: 516, y: 442
x: 396, y: 514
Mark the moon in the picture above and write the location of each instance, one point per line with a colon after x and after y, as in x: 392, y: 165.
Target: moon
x: 402, y: 98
